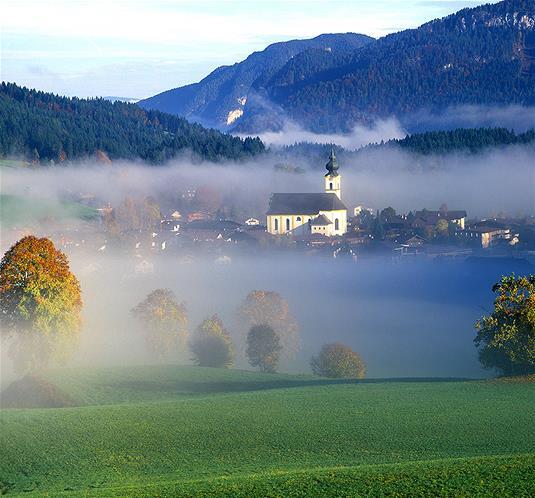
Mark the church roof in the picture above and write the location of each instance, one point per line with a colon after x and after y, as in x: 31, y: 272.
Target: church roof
x: 321, y: 221
x: 304, y: 203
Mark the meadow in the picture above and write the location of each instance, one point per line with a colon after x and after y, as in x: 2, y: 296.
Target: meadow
x: 183, y: 431
x: 19, y: 210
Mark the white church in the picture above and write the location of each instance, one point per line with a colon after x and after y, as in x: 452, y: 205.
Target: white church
x: 316, y: 213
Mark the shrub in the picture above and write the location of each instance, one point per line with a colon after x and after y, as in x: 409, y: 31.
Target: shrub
x: 211, y: 345
x: 338, y: 360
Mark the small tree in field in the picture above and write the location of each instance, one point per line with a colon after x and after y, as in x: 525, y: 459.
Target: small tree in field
x: 506, y: 338
x: 263, y: 348
x: 338, y: 361
x: 40, y: 303
x: 211, y: 345
x: 262, y: 307
x: 164, y: 322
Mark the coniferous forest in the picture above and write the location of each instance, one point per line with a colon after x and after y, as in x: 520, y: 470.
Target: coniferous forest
x: 43, y: 127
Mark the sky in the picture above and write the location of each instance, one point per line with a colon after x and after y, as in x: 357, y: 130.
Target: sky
x: 138, y: 48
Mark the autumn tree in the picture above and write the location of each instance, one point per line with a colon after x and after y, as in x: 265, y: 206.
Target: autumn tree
x: 207, y: 199
x: 263, y: 348
x: 378, y: 230
x: 338, y: 361
x: 262, y: 307
x: 164, y: 322
x: 211, y: 345
x: 40, y: 303
x: 506, y: 338
x: 442, y: 228
x: 137, y: 214
x: 388, y: 214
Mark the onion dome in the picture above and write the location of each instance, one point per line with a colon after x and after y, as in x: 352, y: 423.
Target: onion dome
x: 332, y: 165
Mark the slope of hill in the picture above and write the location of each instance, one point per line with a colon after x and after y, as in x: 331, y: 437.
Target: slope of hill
x: 218, y: 100
x: 41, y: 126
x: 168, y: 431
x: 483, y: 55
x: 20, y: 210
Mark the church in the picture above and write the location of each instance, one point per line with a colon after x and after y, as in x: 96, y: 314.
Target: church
x: 310, y: 213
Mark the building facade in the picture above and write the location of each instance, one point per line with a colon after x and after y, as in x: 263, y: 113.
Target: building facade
x: 310, y: 213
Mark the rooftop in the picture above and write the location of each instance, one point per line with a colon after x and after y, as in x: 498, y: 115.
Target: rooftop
x: 307, y: 204
x: 321, y: 221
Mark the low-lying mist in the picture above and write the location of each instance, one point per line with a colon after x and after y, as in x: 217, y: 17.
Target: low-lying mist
x: 494, y: 181
x: 406, y: 319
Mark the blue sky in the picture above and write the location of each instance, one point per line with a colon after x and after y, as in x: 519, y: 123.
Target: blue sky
x: 137, y: 48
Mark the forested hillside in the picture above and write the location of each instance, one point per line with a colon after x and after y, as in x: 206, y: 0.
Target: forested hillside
x: 479, y: 56
x: 40, y: 126
x: 465, y: 140
x: 218, y: 100
x: 469, y: 141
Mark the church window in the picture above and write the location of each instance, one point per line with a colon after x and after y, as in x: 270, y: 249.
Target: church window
x: 276, y: 224
x: 336, y: 224
x: 287, y: 224
x: 331, y: 186
x: 298, y: 218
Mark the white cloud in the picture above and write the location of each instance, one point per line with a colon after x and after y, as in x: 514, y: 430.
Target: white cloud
x: 82, y: 35
x: 360, y: 135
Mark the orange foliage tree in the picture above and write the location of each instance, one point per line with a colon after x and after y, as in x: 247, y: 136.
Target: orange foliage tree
x: 262, y: 307
x: 164, y: 322
x: 40, y: 303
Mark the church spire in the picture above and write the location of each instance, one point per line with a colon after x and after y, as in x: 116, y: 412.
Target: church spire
x: 333, y: 179
x: 332, y: 165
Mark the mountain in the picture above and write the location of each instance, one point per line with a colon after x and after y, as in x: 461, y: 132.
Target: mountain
x: 40, y: 126
x: 218, y: 100
x: 478, y: 56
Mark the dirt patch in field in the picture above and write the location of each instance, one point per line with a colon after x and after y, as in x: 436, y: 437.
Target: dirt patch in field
x: 33, y: 391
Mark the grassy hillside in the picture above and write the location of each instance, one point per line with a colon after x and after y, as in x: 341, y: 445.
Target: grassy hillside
x: 18, y: 210
x: 489, y: 476
x: 165, y: 431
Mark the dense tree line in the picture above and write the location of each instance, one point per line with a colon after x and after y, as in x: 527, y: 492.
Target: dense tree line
x: 42, y: 126
x: 472, y: 140
x: 465, y: 139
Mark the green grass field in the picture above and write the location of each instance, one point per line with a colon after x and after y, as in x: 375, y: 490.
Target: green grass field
x: 13, y: 163
x: 187, y: 431
x: 19, y: 210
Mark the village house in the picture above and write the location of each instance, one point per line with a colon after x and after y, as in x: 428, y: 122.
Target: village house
x: 426, y: 218
x: 209, y: 230
x: 485, y: 234
x: 310, y: 213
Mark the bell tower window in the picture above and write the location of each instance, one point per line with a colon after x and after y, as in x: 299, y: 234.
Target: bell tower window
x: 337, y: 224
x: 276, y: 224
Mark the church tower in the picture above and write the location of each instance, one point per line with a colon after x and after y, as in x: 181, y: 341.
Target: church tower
x: 333, y: 178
